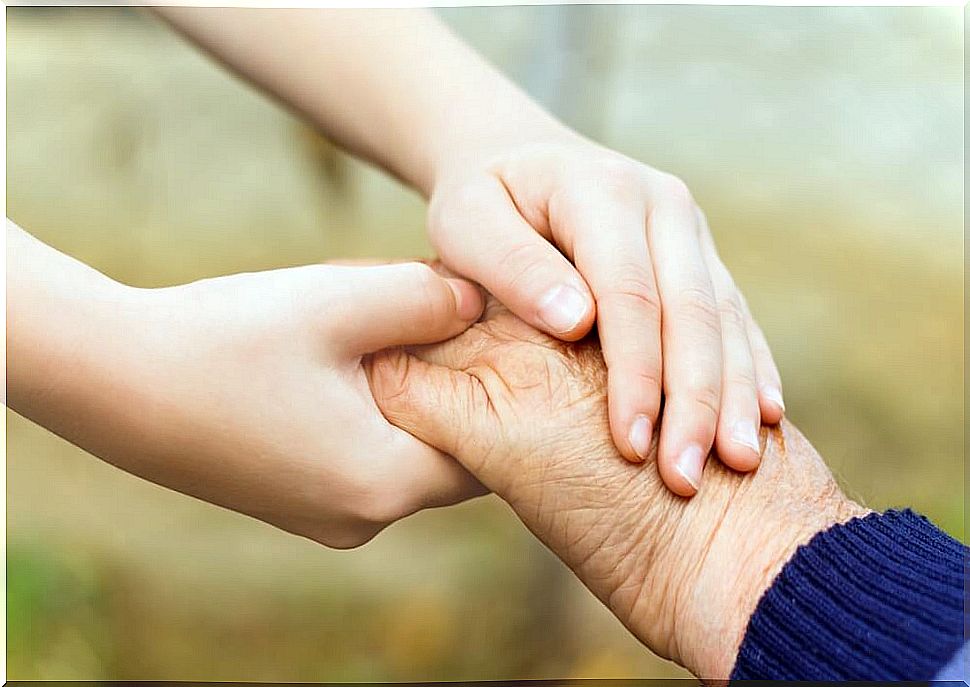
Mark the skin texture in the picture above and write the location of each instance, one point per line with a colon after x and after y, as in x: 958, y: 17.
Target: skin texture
x: 246, y: 391
x: 565, y: 232
x: 527, y: 415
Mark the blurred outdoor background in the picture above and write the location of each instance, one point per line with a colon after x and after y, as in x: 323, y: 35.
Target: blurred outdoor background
x: 825, y: 144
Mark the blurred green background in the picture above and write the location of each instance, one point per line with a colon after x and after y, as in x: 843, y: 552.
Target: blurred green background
x: 825, y: 144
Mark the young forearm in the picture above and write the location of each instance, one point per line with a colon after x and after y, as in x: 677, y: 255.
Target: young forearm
x: 393, y: 86
x: 50, y: 300
x: 65, y: 340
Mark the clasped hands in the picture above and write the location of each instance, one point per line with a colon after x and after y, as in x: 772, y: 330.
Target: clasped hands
x: 315, y: 399
x: 527, y: 416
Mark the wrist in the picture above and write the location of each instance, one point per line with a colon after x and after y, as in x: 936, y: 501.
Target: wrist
x: 754, y: 541
x: 476, y: 145
x: 71, y: 346
x: 65, y: 322
x: 726, y: 547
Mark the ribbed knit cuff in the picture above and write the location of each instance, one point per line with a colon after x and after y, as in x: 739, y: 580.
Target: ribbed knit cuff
x: 876, y: 598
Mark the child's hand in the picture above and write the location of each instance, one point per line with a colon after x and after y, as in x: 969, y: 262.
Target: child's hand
x: 246, y: 391
x: 548, y: 227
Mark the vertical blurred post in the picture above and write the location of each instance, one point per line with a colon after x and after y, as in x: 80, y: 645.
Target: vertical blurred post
x: 570, y: 69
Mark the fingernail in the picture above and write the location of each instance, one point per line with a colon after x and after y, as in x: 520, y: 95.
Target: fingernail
x: 744, y: 432
x: 562, y: 308
x: 640, y: 434
x: 690, y: 465
x: 466, y: 308
x: 774, y: 395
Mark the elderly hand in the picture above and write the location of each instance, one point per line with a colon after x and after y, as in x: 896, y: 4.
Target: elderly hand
x: 527, y: 415
x: 549, y: 227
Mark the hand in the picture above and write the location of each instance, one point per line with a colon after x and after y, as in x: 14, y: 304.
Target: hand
x: 550, y: 226
x: 510, y: 187
x: 246, y: 391
x: 527, y: 415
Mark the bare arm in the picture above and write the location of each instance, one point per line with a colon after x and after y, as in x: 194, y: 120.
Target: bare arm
x: 245, y: 391
x: 393, y: 86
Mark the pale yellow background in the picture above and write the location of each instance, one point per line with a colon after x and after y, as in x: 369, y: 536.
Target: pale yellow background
x: 825, y: 145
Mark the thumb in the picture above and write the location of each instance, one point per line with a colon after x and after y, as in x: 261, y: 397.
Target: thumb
x: 401, y: 304
x: 434, y: 403
x: 480, y: 233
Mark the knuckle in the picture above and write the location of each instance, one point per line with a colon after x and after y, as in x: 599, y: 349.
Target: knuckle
x: 649, y: 378
x: 522, y: 261
x: 729, y: 310
x: 706, y: 397
x: 618, y: 178
x: 389, y: 380
x: 697, y: 304
x: 637, y: 380
x: 636, y: 290
x: 674, y: 188
x: 418, y: 272
x: 741, y: 379
x: 433, y: 302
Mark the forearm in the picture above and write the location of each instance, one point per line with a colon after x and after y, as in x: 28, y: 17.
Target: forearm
x: 790, y: 579
x: 759, y: 522
x: 393, y: 86
x: 66, y: 336
x: 705, y: 562
x: 113, y: 369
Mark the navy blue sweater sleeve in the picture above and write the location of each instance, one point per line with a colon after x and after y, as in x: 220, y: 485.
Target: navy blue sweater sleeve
x: 877, y: 598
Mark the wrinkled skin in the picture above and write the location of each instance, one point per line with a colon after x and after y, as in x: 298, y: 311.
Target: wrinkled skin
x: 527, y: 415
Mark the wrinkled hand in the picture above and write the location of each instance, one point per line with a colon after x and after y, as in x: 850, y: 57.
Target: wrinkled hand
x: 527, y: 415
x: 670, y: 317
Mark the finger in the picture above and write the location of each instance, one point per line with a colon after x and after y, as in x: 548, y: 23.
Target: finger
x: 691, y: 338
x: 767, y: 378
x: 770, y: 397
x: 739, y: 421
x: 406, y: 303
x: 438, y: 405
x: 481, y: 235
x: 435, y: 265
x: 611, y: 252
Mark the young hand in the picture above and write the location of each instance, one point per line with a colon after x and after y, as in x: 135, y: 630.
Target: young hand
x: 246, y: 391
x: 565, y: 232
